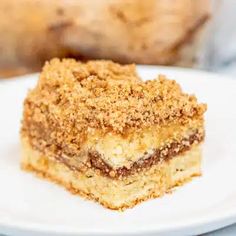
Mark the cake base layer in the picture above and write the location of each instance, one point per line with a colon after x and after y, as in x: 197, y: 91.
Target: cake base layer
x: 117, y: 194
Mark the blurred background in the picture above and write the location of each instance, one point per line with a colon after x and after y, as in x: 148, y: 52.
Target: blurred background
x: 188, y: 33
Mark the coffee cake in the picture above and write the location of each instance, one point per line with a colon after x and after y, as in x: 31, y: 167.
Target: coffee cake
x: 99, y: 130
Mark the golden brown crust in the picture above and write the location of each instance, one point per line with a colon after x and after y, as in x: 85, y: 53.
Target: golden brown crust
x: 43, y: 167
x: 71, y: 98
x: 90, y: 196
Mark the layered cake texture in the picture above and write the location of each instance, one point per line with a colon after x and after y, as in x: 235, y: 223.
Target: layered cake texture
x: 100, y: 131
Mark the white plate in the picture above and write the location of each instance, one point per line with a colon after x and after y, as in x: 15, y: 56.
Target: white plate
x: 31, y: 206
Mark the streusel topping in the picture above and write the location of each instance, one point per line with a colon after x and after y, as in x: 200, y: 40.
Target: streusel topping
x: 71, y: 97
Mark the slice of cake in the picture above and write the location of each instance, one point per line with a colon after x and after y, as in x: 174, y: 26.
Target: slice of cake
x: 101, y: 132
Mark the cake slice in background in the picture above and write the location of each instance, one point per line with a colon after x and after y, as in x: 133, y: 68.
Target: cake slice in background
x: 131, y: 31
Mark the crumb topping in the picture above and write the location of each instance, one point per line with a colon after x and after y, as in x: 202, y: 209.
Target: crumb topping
x: 71, y: 97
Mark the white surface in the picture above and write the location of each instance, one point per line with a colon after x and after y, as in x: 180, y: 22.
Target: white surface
x: 29, y: 204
